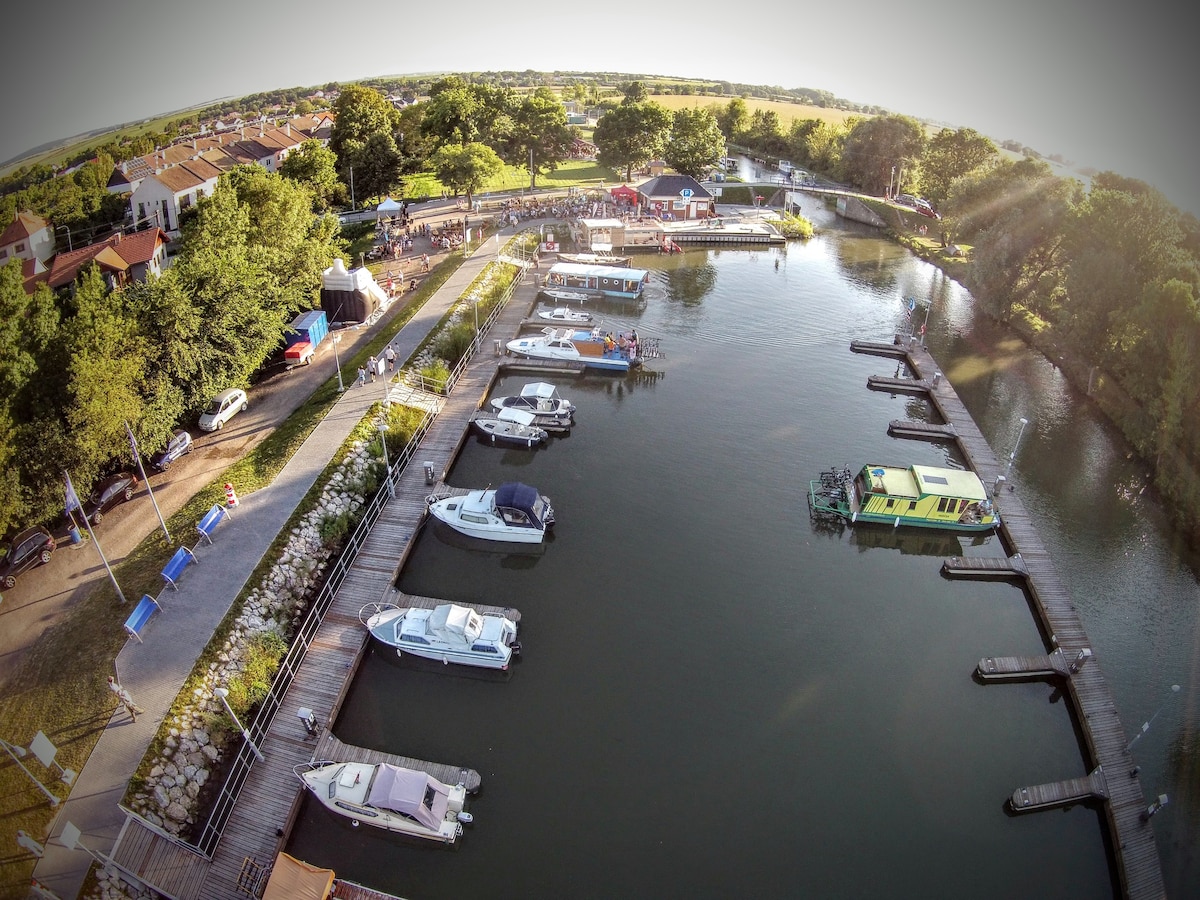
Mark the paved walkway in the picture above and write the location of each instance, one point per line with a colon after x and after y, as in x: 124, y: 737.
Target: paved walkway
x: 155, y: 670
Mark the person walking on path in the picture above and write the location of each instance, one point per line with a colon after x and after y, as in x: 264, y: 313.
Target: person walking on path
x: 126, y: 700
x: 390, y: 355
x: 372, y: 367
x: 362, y: 376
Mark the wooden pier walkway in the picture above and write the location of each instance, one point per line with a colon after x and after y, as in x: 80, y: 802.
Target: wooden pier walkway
x: 997, y: 668
x: 985, y: 566
x: 927, y: 431
x: 1135, y: 852
x: 1093, y: 786
x: 897, y: 385
x: 330, y: 748
x: 269, y: 801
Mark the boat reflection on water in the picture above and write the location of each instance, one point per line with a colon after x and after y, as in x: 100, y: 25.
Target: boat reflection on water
x: 406, y: 662
x: 909, y: 541
x: 513, y: 555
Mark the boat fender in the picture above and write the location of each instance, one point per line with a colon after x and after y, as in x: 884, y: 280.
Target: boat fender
x: 896, y: 524
x: 465, y: 817
x: 516, y: 648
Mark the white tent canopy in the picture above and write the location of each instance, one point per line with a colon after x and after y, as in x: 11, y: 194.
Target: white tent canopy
x: 388, y: 207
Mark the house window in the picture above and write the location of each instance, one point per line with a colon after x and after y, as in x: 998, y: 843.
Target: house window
x: 20, y: 248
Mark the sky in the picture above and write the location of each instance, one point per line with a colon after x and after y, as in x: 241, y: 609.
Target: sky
x: 1099, y: 83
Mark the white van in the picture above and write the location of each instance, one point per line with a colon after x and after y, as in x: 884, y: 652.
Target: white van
x: 785, y: 167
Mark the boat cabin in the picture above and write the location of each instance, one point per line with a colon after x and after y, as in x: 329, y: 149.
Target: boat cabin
x: 611, y: 281
x: 522, y: 506
x: 922, y: 495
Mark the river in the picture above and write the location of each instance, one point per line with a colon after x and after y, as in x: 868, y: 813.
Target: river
x: 720, y: 698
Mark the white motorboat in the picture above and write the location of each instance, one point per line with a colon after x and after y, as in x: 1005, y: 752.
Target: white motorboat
x: 510, y: 426
x: 565, y: 315
x: 386, y: 796
x: 587, y: 347
x: 572, y: 295
x: 538, y: 397
x: 449, y: 632
x: 513, y: 512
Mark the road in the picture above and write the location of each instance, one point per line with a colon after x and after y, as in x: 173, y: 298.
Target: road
x: 46, y: 595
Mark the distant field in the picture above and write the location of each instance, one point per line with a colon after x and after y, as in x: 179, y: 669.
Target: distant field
x: 787, y: 112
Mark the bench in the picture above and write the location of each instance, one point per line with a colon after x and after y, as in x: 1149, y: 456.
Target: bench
x: 211, y: 520
x: 176, y: 564
x: 141, y: 614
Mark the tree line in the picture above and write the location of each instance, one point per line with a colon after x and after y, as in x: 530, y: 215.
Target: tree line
x: 1111, y: 270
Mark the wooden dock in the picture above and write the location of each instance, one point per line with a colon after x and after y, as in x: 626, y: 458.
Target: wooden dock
x: 879, y: 348
x: 925, y: 431
x: 330, y: 748
x: 1093, y: 786
x: 348, y: 890
x: 898, y: 385
x: 269, y: 800
x: 985, y: 566
x: 154, y: 857
x: 999, y: 668
x: 1135, y: 852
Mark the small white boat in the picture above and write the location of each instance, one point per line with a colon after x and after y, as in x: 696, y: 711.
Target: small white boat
x: 449, y: 632
x: 571, y: 295
x: 538, y: 397
x: 564, y: 314
x: 386, y: 796
x: 513, y: 512
x: 510, y: 426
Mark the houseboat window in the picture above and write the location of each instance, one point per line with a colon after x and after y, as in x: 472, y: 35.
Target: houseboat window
x: 890, y: 503
x: 962, y: 506
x: 912, y: 504
x: 942, y: 505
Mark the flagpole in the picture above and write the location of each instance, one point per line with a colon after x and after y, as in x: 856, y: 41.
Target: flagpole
x: 73, y: 501
x: 137, y: 458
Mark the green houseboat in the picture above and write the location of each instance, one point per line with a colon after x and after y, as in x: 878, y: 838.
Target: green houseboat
x: 925, y: 496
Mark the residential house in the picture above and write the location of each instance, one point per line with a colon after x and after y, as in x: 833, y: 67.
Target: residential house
x: 122, y: 258
x: 29, y: 237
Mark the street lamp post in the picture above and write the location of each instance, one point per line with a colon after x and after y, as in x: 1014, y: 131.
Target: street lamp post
x: 222, y: 693
x: 1146, y: 725
x: 1013, y: 454
x: 387, y: 465
x: 18, y: 753
x: 66, y: 228
x: 337, y: 339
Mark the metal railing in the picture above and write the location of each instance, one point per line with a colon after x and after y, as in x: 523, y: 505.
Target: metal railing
x: 239, y: 768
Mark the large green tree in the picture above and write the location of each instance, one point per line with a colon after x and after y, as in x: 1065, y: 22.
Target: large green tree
x: 364, y: 140
x: 313, y: 165
x: 949, y: 156
x: 631, y: 135
x: 696, y: 143
x: 540, y: 137
x: 877, y: 146
x: 466, y: 168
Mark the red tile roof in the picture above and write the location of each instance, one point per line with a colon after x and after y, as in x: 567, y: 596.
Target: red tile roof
x: 117, y: 253
x: 25, y: 225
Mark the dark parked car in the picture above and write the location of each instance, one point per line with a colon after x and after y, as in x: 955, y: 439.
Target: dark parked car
x: 30, y: 548
x: 180, y: 443
x: 108, y: 493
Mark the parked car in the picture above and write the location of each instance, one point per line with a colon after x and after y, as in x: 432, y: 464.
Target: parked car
x: 224, y: 407
x: 32, y: 547
x: 108, y: 493
x: 180, y: 444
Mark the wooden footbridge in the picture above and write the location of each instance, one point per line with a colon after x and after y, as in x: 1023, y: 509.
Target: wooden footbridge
x: 1132, y: 836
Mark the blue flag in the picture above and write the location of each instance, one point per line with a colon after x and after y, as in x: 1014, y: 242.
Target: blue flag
x: 909, y: 306
x: 72, y: 500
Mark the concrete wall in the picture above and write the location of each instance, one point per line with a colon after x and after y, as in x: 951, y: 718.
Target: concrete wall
x: 856, y: 211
